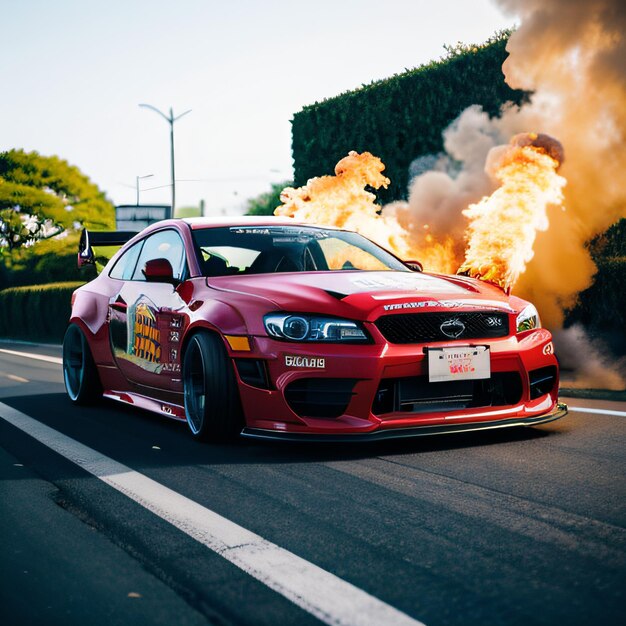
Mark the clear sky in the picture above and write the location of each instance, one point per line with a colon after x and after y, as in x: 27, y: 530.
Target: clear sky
x: 72, y: 73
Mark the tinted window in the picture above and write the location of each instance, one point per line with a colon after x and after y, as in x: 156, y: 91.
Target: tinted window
x: 268, y: 249
x: 345, y: 255
x: 166, y: 244
x: 125, y: 265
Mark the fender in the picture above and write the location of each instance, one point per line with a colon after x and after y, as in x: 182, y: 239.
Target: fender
x: 218, y: 317
x: 91, y: 307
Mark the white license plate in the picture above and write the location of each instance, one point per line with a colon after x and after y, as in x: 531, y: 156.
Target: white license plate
x: 463, y: 363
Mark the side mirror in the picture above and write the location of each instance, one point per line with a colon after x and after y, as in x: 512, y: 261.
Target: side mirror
x: 159, y: 271
x: 415, y: 266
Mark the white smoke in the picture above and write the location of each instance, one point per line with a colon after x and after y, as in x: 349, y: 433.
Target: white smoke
x: 587, y: 360
x: 458, y: 178
x: 572, y: 55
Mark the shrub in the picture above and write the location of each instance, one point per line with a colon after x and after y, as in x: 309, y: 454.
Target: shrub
x: 37, y: 312
x: 49, y: 261
x: 265, y: 203
x: 602, y: 307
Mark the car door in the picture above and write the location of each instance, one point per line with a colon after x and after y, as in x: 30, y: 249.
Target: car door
x: 147, y: 318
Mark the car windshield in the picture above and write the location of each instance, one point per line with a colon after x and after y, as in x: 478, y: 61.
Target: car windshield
x: 270, y: 249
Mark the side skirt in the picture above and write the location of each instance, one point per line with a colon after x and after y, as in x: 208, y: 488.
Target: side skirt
x: 173, y: 411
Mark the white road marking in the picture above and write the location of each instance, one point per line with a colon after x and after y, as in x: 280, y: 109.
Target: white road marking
x: 17, y: 379
x: 38, y: 357
x: 324, y: 595
x: 584, y: 409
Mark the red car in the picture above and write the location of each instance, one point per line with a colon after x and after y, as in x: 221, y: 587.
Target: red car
x: 269, y: 328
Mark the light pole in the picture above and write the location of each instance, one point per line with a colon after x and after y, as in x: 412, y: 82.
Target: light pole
x: 138, y: 178
x: 170, y: 120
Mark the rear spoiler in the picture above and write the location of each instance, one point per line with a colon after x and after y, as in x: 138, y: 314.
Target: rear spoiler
x: 114, y: 238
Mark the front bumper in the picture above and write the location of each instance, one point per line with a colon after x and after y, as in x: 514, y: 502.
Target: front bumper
x: 559, y: 411
x: 270, y: 408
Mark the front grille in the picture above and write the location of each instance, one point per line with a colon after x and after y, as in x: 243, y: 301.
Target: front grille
x: 320, y: 397
x: 416, y: 395
x: 427, y: 327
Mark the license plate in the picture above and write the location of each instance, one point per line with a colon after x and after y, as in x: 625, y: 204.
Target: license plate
x: 463, y: 363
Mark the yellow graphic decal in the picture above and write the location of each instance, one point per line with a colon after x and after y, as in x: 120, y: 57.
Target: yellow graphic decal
x: 147, y: 343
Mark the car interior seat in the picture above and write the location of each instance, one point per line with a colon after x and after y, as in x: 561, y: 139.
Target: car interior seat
x: 216, y: 266
x: 274, y: 260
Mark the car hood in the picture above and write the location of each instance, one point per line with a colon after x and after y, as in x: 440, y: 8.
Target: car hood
x: 364, y: 294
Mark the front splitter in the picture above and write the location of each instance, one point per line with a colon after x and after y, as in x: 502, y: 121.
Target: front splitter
x: 559, y: 411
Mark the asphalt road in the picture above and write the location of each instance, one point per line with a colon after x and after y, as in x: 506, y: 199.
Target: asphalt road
x: 518, y: 526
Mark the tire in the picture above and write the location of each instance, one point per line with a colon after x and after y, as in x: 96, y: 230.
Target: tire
x: 80, y: 374
x: 212, y: 403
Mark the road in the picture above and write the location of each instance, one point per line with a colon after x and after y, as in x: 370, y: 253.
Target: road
x: 518, y: 526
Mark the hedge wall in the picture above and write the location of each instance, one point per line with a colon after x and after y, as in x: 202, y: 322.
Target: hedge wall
x: 49, y: 268
x: 36, y: 313
x: 48, y: 261
x: 602, y: 307
x: 603, y: 304
x: 402, y: 117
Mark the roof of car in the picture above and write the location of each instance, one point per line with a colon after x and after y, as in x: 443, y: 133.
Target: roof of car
x: 197, y: 223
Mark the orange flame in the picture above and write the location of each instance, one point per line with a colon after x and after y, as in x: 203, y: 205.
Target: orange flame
x: 501, y: 230
x: 503, y: 226
x: 343, y: 201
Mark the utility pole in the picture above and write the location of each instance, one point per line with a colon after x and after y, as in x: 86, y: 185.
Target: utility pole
x: 170, y: 120
x: 137, y: 179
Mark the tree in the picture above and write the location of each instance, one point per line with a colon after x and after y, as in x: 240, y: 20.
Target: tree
x: 265, y: 203
x: 188, y: 211
x: 43, y: 196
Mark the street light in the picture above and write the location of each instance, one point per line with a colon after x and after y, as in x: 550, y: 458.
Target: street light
x: 170, y: 120
x: 138, y: 178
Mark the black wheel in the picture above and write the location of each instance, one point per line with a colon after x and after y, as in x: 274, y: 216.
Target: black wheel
x: 80, y: 374
x: 212, y: 403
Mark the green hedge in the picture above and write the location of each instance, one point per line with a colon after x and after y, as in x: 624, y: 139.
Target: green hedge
x: 36, y: 313
x: 601, y: 309
x: 402, y: 117
x: 46, y: 269
x: 48, y: 261
x: 603, y: 305
x: 265, y: 203
x: 611, y: 243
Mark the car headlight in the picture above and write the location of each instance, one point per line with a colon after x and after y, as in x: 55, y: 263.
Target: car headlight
x: 528, y: 319
x: 313, y: 328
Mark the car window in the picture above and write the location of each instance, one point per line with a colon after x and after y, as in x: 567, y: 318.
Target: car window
x: 236, y: 258
x: 125, y: 265
x: 269, y: 249
x: 165, y: 244
x: 344, y: 255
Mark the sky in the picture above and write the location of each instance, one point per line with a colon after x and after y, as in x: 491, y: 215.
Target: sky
x: 73, y: 74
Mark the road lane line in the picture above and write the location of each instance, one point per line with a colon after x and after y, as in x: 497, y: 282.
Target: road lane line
x: 38, y: 357
x: 324, y: 595
x: 585, y: 409
x: 17, y: 379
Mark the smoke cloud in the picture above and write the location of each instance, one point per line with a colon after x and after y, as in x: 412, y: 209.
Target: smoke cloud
x: 572, y: 55
x: 591, y: 370
x: 443, y: 185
